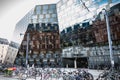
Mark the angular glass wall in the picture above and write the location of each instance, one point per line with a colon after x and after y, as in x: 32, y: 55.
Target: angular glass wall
x: 41, y: 24
x: 45, y: 14
x: 71, y: 12
x: 21, y: 27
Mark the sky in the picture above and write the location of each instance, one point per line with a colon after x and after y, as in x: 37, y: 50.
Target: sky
x: 11, y: 11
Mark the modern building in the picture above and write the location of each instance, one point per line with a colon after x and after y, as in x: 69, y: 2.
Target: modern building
x: 80, y: 35
x: 100, y: 28
x: 99, y: 56
x: 46, y: 13
x: 94, y: 37
x: 100, y: 53
x: 44, y: 39
x: 75, y: 56
x: 71, y: 12
x: 11, y: 53
x: 3, y: 49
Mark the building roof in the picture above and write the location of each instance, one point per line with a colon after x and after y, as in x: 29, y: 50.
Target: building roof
x: 13, y: 44
x: 4, y: 41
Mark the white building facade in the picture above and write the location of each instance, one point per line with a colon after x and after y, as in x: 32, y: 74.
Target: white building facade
x: 11, y: 53
x: 3, y: 49
x: 8, y: 51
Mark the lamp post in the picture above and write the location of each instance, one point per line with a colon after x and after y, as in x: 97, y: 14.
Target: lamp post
x: 109, y: 38
x: 27, y: 48
x: 74, y: 51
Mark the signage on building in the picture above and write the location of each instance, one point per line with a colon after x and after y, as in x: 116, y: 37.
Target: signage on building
x: 78, y: 55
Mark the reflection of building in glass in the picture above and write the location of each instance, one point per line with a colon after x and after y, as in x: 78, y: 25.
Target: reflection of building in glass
x: 45, y: 14
x: 100, y: 55
x: 44, y: 45
x: 73, y: 16
x: 71, y: 12
x: 94, y: 36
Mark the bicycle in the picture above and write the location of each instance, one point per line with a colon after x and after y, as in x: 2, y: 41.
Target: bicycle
x: 109, y: 75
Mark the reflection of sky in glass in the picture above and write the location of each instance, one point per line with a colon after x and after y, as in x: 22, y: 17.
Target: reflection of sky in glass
x: 101, y: 2
x: 69, y: 15
x: 41, y: 13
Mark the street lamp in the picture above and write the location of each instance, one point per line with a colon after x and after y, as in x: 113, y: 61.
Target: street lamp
x: 26, y: 48
x: 74, y: 51
x: 109, y: 37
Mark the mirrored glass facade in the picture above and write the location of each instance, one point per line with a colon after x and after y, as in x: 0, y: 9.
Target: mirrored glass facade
x: 45, y: 13
x: 71, y: 12
x: 44, y: 41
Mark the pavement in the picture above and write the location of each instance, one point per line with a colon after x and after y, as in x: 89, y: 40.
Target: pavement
x: 95, y: 73
x: 7, y: 78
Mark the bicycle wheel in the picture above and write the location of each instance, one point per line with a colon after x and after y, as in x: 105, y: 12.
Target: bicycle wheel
x: 89, y: 76
x: 24, y: 76
x: 109, y: 78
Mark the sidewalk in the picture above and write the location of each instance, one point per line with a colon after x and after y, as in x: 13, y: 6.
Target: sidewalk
x: 95, y: 73
x: 7, y: 78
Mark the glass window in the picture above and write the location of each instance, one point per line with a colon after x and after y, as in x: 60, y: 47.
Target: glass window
x: 34, y: 20
x: 116, y: 11
x: 41, y: 16
x: 44, y: 12
x: 0, y: 61
x: 77, y: 1
x: 54, y: 15
x: 40, y: 20
x: 34, y: 17
x: 38, y: 9
x: 51, y: 19
x: 46, y: 20
x: 24, y: 43
x: 47, y: 15
x: 51, y: 11
x: 52, y: 6
x: 45, y: 7
x: 41, y: 55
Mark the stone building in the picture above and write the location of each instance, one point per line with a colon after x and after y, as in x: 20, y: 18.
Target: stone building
x: 3, y: 49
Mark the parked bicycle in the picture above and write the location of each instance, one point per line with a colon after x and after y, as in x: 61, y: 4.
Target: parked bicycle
x: 109, y: 75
